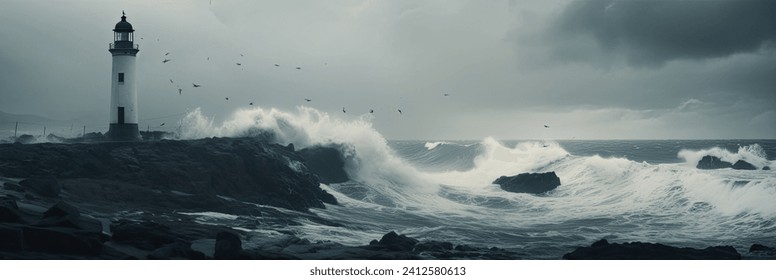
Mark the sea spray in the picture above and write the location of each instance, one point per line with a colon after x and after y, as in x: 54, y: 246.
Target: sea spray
x: 753, y: 154
x: 599, y: 196
x: 368, y: 158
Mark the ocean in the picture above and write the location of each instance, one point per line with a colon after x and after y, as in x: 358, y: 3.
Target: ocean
x: 621, y: 190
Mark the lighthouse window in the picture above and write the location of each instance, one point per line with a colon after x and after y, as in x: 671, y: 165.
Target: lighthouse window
x: 121, y: 77
x: 122, y: 36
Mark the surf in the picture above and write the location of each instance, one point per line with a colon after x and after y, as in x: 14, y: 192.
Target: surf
x: 443, y: 189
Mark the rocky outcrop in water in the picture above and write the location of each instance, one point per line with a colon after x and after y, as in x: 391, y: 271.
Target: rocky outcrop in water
x: 534, y: 183
x: 603, y: 250
x: 743, y: 165
x: 712, y: 162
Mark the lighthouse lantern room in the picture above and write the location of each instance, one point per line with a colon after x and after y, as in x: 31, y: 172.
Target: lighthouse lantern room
x: 123, y: 94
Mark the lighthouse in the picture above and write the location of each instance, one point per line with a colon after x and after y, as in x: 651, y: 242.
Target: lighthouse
x: 123, y: 89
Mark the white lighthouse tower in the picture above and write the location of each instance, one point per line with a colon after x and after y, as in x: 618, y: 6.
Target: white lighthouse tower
x: 123, y: 91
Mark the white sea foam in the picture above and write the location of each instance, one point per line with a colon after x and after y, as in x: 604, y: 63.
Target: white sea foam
x: 432, y: 145
x: 635, y: 200
x: 753, y: 154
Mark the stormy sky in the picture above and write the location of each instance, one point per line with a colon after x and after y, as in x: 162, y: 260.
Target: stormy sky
x: 600, y: 69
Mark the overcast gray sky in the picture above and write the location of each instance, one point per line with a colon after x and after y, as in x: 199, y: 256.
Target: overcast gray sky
x: 590, y: 69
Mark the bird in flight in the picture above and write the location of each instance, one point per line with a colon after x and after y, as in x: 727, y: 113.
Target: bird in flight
x: 238, y: 64
x: 277, y: 65
x: 166, y: 54
x: 161, y: 125
x: 343, y: 110
x: 196, y: 85
x: 546, y: 126
x: 171, y: 81
x: 298, y: 68
x: 371, y: 111
x: 241, y: 54
x: 399, y: 111
x: 308, y: 100
x: 446, y: 94
x: 166, y: 60
x: 227, y: 98
x: 180, y: 91
x: 250, y: 103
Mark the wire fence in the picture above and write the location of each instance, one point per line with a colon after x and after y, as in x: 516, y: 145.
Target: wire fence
x: 11, y: 129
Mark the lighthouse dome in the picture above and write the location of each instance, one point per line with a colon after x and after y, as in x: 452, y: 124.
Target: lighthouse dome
x: 123, y: 25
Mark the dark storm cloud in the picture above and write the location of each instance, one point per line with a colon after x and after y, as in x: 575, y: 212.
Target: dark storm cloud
x: 650, y: 33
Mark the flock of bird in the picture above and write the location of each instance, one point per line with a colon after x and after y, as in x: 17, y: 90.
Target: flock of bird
x: 195, y: 85
x: 167, y: 59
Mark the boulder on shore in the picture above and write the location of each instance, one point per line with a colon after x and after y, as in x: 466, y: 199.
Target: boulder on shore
x: 61, y: 215
x: 394, y: 242
x: 9, y: 211
x: 761, y: 248
x: 534, y: 183
x: 603, y: 250
x: 47, y: 187
x: 228, y: 246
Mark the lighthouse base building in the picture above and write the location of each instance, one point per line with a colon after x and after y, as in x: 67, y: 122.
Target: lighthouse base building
x: 123, y: 98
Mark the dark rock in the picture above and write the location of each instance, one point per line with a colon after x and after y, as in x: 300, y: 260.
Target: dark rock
x: 13, y: 187
x: 603, y: 250
x: 435, y: 246
x: 760, y: 247
x: 534, y: 183
x: 246, y: 168
x: 9, y: 211
x: 61, y: 215
x: 393, y: 242
x: 142, y: 235
x: 62, y: 240
x: 228, y: 246
x: 47, y: 187
x: 11, y: 238
x: 743, y: 165
x: 599, y: 243
x: 465, y: 247
x: 766, y: 168
x: 712, y: 162
x: 326, y: 162
x: 176, y: 251
x: 265, y: 255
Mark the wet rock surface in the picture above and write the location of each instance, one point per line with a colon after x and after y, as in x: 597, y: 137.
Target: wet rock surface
x: 534, y: 183
x: 603, y: 250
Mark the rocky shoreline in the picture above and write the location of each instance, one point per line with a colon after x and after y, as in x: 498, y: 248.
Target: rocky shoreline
x: 138, y: 200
